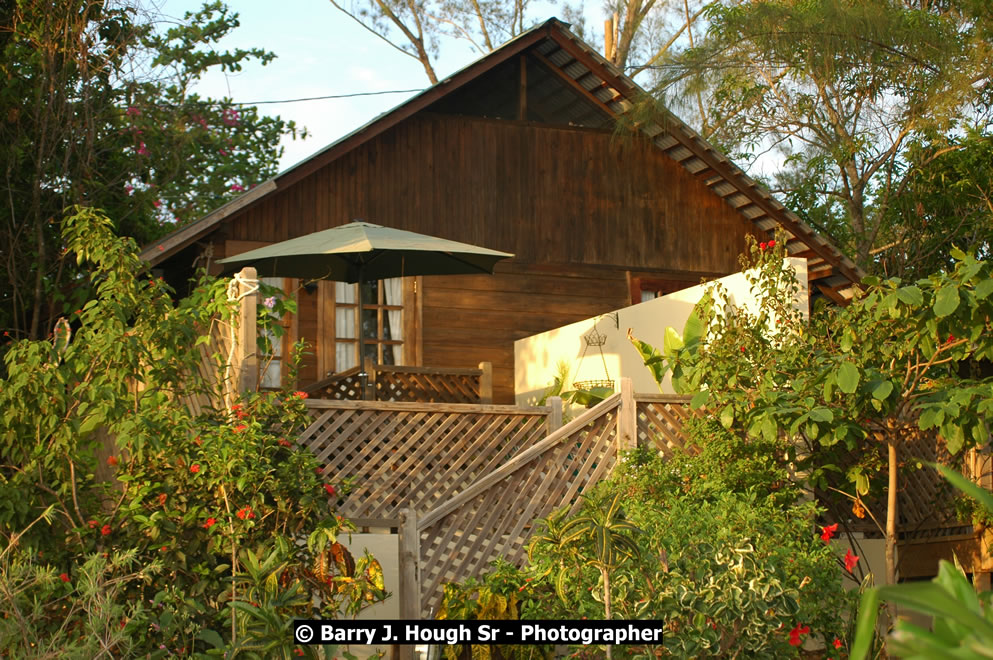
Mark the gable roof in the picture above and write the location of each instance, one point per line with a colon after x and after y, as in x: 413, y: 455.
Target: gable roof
x: 599, y: 89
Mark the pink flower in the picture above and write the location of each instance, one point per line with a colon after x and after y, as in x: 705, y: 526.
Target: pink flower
x: 223, y: 152
x: 850, y: 560
x: 237, y: 188
x: 828, y: 532
x: 128, y: 188
x: 157, y: 203
x: 132, y: 111
x: 142, y: 151
x: 269, y: 302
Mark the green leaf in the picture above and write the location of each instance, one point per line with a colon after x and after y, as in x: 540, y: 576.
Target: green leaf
x: 882, y: 389
x: 911, y: 295
x: 822, y: 414
x: 699, y: 399
x: 946, y: 302
x: 727, y: 417
x: 984, y: 289
x: 861, y: 484
x: 212, y: 638
x: 866, y: 627
x: 848, y: 377
x: 969, y: 488
x: 671, y: 343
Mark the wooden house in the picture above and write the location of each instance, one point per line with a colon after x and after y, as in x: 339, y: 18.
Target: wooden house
x: 520, y: 152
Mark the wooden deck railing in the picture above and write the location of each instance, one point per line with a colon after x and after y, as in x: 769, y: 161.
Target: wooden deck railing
x: 411, y: 384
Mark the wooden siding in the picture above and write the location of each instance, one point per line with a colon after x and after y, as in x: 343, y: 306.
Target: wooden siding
x: 579, y: 207
x: 547, y: 194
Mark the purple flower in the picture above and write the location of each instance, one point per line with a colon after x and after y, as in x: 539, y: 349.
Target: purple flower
x: 269, y: 302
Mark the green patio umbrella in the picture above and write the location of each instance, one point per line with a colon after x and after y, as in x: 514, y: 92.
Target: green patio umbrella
x: 362, y: 252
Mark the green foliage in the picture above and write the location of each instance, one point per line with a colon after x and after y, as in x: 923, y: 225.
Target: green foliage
x: 962, y: 620
x: 497, y: 596
x: 97, y: 110
x: 871, y: 376
x: 713, y: 544
x: 212, y: 510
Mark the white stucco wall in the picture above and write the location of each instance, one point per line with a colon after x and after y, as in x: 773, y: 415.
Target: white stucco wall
x: 536, y: 357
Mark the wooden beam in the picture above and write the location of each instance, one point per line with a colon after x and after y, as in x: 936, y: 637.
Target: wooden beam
x: 715, y: 162
x: 575, y: 85
x: 833, y: 294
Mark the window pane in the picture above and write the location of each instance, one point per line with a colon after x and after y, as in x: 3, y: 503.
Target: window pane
x: 344, y: 292
x: 370, y: 322
x: 271, y: 375
x: 344, y: 356
x: 344, y: 322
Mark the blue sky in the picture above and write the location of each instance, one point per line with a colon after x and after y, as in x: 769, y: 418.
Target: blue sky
x: 320, y: 51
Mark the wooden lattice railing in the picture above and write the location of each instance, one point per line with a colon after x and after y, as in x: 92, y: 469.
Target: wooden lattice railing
x: 493, y: 517
x: 660, y: 421
x: 411, y: 384
x: 414, y: 455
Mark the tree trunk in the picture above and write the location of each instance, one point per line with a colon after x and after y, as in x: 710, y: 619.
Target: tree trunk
x: 892, y: 514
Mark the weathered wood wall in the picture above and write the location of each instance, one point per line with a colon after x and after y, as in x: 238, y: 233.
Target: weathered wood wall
x: 579, y: 208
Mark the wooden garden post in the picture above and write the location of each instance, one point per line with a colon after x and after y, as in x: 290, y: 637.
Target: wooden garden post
x: 410, y: 591
x: 486, y: 382
x: 245, y: 363
x: 554, y: 422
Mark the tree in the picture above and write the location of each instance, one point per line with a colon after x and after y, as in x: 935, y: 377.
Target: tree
x: 97, y: 110
x: 876, y: 374
x: 858, y: 98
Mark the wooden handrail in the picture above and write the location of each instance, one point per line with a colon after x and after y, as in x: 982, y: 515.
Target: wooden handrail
x: 439, y: 371
x: 526, y: 456
x: 662, y: 398
x: 417, y: 406
x: 321, y: 384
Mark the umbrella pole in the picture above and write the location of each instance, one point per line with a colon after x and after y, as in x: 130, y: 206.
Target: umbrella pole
x: 363, y: 374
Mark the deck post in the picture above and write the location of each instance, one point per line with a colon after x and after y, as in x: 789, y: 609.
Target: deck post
x: 368, y: 382
x: 410, y: 592
x: 486, y: 382
x: 627, y: 418
x: 245, y: 363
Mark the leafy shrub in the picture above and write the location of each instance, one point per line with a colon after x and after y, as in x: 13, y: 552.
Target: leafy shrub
x: 97, y: 437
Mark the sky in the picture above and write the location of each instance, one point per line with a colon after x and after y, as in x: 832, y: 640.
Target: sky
x: 320, y: 51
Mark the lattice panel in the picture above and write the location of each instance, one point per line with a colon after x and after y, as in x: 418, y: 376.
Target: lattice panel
x: 660, y: 424
x: 498, y: 522
x: 345, y: 387
x: 425, y: 387
x: 413, y: 457
x: 925, y: 500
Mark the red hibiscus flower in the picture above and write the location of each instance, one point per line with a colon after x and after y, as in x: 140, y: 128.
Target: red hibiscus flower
x: 837, y: 643
x: 105, y: 530
x: 330, y: 489
x: 828, y: 532
x: 210, y: 523
x: 762, y: 246
x: 194, y: 468
x: 64, y: 577
x: 112, y: 461
x: 771, y: 244
x: 850, y: 560
x: 795, y: 634
x: 93, y: 524
x: 300, y: 395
